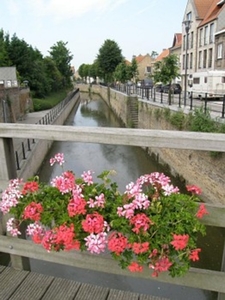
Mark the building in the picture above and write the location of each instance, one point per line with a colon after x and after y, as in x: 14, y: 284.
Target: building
x: 144, y: 65
x: 204, y: 42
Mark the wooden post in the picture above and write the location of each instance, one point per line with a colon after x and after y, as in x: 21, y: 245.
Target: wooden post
x: 221, y: 296
x: 7, y: 172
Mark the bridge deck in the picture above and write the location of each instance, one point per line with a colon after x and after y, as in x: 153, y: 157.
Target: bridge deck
x: 20, y: 285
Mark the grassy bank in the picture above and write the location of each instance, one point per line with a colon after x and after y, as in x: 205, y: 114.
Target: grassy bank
x: 49, y: 101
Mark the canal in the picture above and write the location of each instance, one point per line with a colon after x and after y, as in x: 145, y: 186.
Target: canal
x: 129, y: 163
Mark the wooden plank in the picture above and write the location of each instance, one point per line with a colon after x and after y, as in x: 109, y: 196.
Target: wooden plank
x: 33, y: 287
x: 215, y: 216
x: 10, y: 279
x: 2, y: 268
x: 62, y: 289
x: 118, y: 136
x: 122, y: 295
x: 90, y: 292
x: 197, y: 278
x: 147, y: 297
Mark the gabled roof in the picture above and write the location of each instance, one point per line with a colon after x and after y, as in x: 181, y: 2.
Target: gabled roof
x: 202, y: 7
x: 139, y: 58
x: 212, y: 13
x: 177, y: 40
x: 163, y: 54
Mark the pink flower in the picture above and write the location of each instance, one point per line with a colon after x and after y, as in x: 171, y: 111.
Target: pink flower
x: 87, y: 177
x: 33, y: 211
x: 64, y: 183
x: 135, y: 267
x: 96, y: 243
x: 93, y: 223
x: 77, y: 205
x: 12, y: 226
x: 201, y: 211
x: 180, y: 241
x: 58, y: 158
x: 194, y: 189
x: 10, y: 197
x: 161, y: 265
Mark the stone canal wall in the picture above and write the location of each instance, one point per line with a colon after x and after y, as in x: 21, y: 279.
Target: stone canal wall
x: 195, y: 167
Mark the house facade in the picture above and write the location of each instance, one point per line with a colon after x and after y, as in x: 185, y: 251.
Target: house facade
x: 203, y: 44
x: 144, y: 65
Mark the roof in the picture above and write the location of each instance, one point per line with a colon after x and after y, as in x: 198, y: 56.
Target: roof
x: 212, y: 13
x: 163, y: 54
x: 202, y: 7
x: 177, y: 40
x: 8, y: 73
x: 139, y: 58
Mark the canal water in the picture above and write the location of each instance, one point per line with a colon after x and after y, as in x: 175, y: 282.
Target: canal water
x: 129, y: 163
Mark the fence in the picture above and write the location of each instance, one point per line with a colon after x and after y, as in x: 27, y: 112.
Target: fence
x: 215, y: 105
x: 198, y: 278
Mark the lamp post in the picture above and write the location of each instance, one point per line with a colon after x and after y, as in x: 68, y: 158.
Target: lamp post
x: 187, y: 26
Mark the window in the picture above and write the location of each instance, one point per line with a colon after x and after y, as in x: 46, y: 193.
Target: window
x: 148, y: 69
x: 201, y: 37
x: 183, y: 62
x: 220, y: 51
x: 206, y: 35
x: 223, y: 79
x: 196, y: 80
x: 191, y: 60
x: 184, y: 43
x: 187, y: 61
x: 205, y: 79
x: 191, y: 40
x: 204, y: 58
x: 189, y: 16
x: 211, y: 33
x: 200, y: 59
x: 210, y: 58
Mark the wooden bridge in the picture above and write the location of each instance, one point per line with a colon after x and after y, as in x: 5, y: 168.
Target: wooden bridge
x: 21, y: 284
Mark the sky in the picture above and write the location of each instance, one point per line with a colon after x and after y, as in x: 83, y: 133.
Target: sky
x: 137, y: 26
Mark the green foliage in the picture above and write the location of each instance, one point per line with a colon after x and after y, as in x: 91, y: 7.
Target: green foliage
x: 151, y: 224
x: 49, y: 101
x: 203, y: 122
x: 177, y: 119
x: 108, y: 58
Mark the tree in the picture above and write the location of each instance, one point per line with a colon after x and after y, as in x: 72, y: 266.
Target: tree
x: 62, y: 57
x: 166, y: 70
x: 122, y: 72
x: 154, y: 54
x: 4, y: 58
x: 108, y: 58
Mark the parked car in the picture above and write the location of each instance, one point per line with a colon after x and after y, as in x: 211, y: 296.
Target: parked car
x: 175, y: 88
x: 147, y: 83
x: 159, y: 87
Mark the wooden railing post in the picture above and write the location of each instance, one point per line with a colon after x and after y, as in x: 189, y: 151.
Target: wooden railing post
x: 221, y: 296
x: 7, y: 172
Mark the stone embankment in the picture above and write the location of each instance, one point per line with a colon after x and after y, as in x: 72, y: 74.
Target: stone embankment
x: 194, y: 167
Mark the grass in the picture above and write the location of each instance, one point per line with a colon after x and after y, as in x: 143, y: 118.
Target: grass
x: 49, y: 101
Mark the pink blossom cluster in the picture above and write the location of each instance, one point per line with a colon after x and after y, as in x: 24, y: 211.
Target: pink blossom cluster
x: 87, y: 177
x: 11, y: 196
x: 64, y: 183
x: 12, y: 227
x: 58, y: 158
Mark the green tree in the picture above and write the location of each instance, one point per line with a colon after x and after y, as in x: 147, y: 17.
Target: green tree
x: 62, y: 58
x: 167, y: 70
x: 4, y: 58
x: 122, y: 72
x: 154, y: 54
x: 53, y: 74
x: 108, y: 58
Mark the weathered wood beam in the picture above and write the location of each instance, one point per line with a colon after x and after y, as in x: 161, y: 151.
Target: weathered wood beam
x: 118, y: 136
x: 197, y: 278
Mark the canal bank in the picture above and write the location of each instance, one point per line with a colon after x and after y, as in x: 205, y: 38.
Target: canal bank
x: 193, y: 167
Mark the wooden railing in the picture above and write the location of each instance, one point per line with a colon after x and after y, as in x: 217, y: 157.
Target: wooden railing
x: 197, y: 278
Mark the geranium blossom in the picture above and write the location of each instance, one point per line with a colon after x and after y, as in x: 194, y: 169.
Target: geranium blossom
x: 150, y: 224
x: 194, y: 189
x: 180, y: 241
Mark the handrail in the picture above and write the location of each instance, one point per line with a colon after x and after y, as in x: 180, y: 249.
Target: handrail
x: 204, y: 279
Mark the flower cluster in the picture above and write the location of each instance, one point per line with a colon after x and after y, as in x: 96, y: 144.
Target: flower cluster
x: 150, y: 224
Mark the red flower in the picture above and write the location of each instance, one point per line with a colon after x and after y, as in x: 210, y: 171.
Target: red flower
x: 33, y: 211
x: 135, y: 267
x: 201, y: 211
x: 117, y: 243
x: 140, y: 247
x: 30, y: 187
x: 180, y: 241
x: 194, y: 189
x: 94, y: 223
x: 194, y: 254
